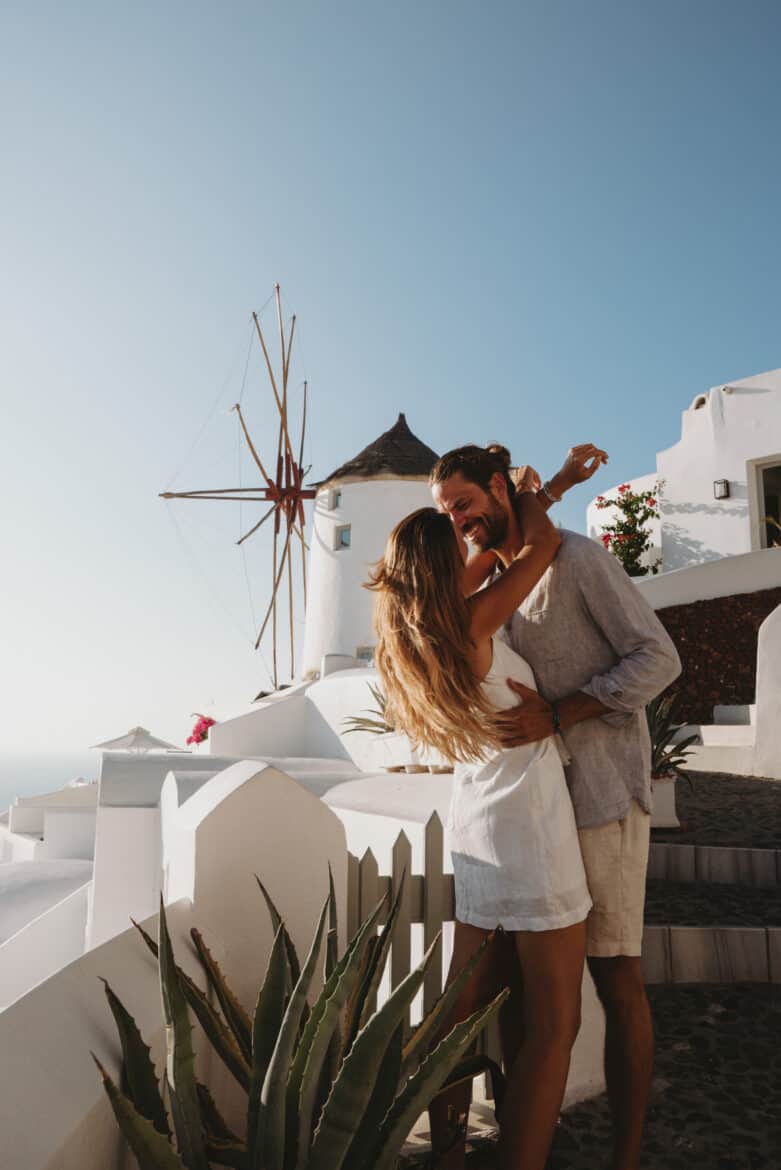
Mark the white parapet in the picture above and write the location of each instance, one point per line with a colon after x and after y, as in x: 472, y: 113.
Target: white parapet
x: 767, y: 748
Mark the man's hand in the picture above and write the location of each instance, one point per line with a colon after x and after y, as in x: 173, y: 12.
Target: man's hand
x: 581, y: 463
x: 533, y: 720
x: 528, y: 723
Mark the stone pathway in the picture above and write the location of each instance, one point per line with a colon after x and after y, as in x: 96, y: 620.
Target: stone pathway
x: 726, y: 810
x: 711, y: 904
x: 716, y: 1097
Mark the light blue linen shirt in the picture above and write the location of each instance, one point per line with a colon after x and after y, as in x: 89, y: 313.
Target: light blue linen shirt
x: 586, y: 627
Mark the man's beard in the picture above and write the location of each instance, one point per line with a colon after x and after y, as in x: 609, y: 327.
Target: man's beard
x: 493, y: 526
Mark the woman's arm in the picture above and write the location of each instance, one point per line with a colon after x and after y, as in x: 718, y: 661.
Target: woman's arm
x: 492, y: 606
x: 476, y: 570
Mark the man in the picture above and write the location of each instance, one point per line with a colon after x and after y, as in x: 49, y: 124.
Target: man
x: 599, y: 654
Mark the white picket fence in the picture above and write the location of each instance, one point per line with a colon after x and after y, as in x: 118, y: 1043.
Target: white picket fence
x: 428, y: 899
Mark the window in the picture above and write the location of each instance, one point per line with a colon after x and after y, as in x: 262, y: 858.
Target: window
x: 334, y: 499
x: 365, y: 654
x: 342, y: 537
x: 771, y: 506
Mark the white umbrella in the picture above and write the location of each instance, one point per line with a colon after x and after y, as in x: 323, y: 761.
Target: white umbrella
x: 138, y: 739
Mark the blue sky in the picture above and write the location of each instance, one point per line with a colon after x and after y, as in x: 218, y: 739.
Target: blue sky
x: 539, y: 222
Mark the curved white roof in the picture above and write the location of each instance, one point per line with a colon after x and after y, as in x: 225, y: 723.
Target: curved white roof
x: 29, y: 888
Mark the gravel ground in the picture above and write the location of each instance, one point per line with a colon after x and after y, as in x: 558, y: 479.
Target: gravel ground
x: 726, y: 810
x: 716, y: 1097
x: 711, y: 904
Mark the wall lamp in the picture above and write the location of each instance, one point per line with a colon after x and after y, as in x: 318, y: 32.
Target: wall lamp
x: 721, y: 489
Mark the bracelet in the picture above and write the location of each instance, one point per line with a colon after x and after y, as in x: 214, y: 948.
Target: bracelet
x: 554, y: 710
x: 546, y: 491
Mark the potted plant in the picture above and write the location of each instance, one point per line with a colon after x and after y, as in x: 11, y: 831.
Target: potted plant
x: 667, y: 759
x: 391, y: 749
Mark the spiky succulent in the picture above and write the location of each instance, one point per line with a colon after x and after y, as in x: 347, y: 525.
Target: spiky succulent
x: 330, y: 1086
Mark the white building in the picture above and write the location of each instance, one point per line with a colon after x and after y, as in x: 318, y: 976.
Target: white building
x: 355, y: 508
x: 721, y: 493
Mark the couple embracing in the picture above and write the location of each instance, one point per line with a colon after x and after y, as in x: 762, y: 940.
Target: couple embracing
x: 527, y: 657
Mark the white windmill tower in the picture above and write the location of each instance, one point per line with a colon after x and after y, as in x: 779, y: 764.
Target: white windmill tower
x: 355, y: 509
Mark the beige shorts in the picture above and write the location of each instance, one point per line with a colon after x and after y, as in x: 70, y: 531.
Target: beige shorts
x: 615, y: 857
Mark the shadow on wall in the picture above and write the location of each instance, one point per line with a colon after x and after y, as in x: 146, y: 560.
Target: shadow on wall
x: 681, y: 549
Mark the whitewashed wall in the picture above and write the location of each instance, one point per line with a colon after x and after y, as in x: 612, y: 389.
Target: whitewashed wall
x: 69, y: 832
x: 43, y: 947
x: 53, y: 1113
x: 767, y: 746
x: 746, y: 573
x: 726, y: 433
x: 339, y: 609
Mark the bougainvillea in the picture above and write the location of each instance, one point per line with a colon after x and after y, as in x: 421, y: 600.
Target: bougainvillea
x: 628, y: 537
x: 201, y: 730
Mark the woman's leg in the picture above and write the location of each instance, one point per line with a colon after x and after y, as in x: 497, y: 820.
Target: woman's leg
x: 449, y: 1109
x: 552, y: 969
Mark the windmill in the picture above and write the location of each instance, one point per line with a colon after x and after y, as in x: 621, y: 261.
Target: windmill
x: 284, y: 491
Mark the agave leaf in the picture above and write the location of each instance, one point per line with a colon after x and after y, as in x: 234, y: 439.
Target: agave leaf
x: 331, y: 939
x: 180, y: 1066
x: 213, y: 1122
x: 152, y: 1150
x: 138, y: 1071
x: 319, y: 1033
x: 276, y: 922
x: 269, y: 1012
x: 473, y: 1066
x: 424, y: 1085
x: 150, y: 942
x: 385, y: 1089
x: 272, y: 1097
x: 425, y: 1033
x: 219, y: 1035
x: 228, y: 1153
x: 217, y: 1031
x: 357, y: 1077
x: 237, y: 1019
x: 379, y: 955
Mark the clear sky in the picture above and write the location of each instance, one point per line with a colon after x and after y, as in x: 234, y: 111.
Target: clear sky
x: 538, y: 222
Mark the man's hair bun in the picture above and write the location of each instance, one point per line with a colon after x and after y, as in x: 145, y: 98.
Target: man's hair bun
x: 501, y: 455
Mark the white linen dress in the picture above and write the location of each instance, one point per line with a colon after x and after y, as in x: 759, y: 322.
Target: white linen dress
x: 511, y: 828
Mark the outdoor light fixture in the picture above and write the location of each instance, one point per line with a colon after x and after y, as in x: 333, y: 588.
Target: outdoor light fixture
x: 721, y: 489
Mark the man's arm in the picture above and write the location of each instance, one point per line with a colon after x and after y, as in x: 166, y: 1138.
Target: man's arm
x: 647, y: 660
x: 579, y: 465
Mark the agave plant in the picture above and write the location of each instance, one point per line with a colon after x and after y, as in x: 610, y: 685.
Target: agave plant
x: 666, y: 756
x: 372, y: 719
x: 331, y: 1086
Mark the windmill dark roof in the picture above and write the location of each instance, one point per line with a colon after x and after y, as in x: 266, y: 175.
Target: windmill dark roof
x: 397, y: 452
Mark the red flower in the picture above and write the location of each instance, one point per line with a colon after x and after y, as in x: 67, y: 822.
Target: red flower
x: 606, y: 540
x: 600, y: 499
x: 651, y: 502
x: 624, y: 487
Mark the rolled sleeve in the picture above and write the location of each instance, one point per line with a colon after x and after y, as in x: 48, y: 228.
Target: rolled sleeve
x: 647, y: 659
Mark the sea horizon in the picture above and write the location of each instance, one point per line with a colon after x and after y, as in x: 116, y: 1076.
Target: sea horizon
x: 35, y: 773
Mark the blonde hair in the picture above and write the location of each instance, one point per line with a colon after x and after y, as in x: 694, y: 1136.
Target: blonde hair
x: 422, y: 621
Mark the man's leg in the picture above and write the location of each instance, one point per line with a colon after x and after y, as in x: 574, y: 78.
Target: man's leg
x: 616, y: 860
x: 629, y: 1051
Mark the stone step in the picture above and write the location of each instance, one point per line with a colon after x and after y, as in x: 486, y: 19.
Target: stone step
x: 711, y: 954
x: 731, y: 865
x: 735, y: 714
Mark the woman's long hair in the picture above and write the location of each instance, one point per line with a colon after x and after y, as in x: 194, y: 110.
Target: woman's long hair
x: 422, y: 620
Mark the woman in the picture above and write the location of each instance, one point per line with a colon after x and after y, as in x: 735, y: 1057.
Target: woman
x: 516, y: 859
